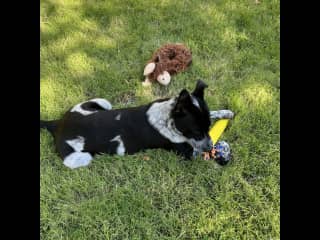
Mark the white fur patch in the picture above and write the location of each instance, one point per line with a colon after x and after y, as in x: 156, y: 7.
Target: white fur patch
x: 118, y: 117
x: 195, y: 102
x: 158, y: 116
x: 77, y: 144
x: 100, y: 101
x: 77, y: 108
x: 77, y: 159
x: 120, y: 149
x: 226, y: 114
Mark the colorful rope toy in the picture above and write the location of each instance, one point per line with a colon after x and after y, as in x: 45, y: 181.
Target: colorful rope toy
x: 220, y: 152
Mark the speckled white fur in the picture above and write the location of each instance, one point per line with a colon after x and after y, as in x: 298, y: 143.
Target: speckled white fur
x: 120, y: 149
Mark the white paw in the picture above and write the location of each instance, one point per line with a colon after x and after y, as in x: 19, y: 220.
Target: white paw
x: 221, y: 114
x: 77, y: 159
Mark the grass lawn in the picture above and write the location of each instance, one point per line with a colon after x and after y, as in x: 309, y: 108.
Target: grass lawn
x: 98, y: 49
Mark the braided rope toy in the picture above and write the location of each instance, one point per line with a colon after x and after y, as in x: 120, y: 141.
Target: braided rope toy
x: 221, y: 150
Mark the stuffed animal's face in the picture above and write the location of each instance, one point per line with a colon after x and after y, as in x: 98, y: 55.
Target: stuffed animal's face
x: 164, y: 78
x: 168, y: 60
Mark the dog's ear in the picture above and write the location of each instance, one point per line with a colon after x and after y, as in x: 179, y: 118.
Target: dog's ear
x: 183, y: 101
x: 184, y: 96
x: 199, y: 90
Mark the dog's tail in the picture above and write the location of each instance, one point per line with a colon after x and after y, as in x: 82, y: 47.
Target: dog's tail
x: 51, y: 126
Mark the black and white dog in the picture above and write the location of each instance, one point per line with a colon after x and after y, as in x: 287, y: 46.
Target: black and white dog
x: 180, y: 124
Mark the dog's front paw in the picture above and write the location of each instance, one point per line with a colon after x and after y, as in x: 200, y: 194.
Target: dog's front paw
x: 184, y: 150
x: 221, y: 114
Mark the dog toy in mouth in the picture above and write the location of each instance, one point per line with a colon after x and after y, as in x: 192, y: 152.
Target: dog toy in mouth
x: 220, y: 153
x: 168, y: 60
x: 221, y: 150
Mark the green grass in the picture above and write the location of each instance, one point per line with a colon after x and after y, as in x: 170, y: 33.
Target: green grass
x: 98, y: 49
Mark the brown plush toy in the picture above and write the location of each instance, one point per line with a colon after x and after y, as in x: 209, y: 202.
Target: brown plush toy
x: 168, y: 60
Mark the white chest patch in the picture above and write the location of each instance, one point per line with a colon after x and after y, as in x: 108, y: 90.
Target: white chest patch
x: 120, y: 149
x: 100, y: 101
x: 158, y: 116
x: 118, y: 117
x: 77, y: 144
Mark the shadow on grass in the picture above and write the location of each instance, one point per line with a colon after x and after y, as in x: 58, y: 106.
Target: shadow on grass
x: 134, y: 30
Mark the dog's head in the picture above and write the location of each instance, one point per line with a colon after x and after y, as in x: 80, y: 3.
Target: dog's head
x: 191, y: 117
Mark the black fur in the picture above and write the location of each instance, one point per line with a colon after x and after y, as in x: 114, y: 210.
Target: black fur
x: 192, y: 121
x: 137, y: 134
x: 49, y: 125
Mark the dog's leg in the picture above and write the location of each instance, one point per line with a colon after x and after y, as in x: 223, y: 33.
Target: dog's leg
x: 71, y: 153
x: 221, y: 114
x: 92, y: 106
x: 103, y: 103
x: 184, y: 150
x: 77, y: 159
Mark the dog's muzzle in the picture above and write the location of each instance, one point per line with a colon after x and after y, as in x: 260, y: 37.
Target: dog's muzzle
x: 204, y: 145
x: 208, y: 145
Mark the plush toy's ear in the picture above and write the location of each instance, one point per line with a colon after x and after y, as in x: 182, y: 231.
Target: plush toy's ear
x: 149, y: 68
x: 199, y: 90
x: 184, y: 100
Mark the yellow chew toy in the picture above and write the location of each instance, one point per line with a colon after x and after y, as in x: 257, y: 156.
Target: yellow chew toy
x: 217, y: 129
